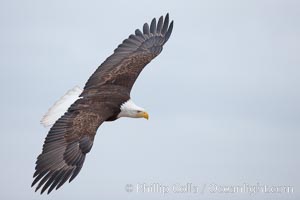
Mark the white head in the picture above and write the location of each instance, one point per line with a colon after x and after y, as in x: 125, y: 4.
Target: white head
x: 129, y: 109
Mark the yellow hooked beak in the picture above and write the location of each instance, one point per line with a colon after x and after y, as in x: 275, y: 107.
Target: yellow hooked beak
x: 143, y: 115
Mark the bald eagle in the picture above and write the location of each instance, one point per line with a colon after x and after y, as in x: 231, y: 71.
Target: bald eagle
x: 106, y: 97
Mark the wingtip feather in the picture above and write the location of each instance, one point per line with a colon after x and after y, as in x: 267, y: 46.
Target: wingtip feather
x: 146, y: 29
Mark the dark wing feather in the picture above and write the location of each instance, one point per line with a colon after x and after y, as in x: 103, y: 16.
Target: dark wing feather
x: 67, y: 143
x: 128, y: 60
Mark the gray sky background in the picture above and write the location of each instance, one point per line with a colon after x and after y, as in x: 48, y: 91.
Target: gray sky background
x: 223, y: 96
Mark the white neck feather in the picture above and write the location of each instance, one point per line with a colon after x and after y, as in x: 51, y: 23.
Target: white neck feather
x: 129, y: 109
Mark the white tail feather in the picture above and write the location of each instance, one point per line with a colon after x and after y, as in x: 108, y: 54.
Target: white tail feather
x: 61, y: 106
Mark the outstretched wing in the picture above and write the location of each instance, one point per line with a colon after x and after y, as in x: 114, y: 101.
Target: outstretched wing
x: 66, y: 145
x: 128, y: 60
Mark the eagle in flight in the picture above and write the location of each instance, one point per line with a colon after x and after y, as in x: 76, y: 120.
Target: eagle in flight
x: 106, y: 97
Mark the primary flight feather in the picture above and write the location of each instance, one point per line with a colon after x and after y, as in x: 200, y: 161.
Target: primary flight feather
x: 105, y: 97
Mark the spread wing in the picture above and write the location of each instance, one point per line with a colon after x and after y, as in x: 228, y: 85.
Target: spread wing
x: 67, y: 143
x: 128, y: 60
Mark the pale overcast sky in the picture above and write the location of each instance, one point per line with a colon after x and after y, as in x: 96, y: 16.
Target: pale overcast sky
x: 223, y: 96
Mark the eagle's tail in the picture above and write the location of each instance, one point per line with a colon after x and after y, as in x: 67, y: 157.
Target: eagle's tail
x: 61, y: 106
